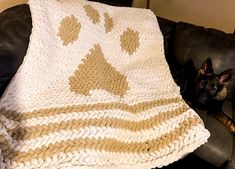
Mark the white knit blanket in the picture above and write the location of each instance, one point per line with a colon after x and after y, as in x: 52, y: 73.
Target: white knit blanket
x: 94, y: 91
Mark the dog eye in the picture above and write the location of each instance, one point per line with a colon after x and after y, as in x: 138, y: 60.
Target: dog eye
x: 213, y: 88
x: 202, y: 82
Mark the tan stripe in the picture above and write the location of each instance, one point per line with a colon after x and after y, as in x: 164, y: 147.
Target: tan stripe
x: 5, y: 147
x: 135, y: 109
x: 40, y: 130
x: 110, y: 145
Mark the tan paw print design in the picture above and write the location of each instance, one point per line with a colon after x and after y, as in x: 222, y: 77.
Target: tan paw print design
x: 101, y: 74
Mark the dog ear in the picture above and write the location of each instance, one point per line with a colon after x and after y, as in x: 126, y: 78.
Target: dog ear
x: 206, y: 67
x: 225, y: 76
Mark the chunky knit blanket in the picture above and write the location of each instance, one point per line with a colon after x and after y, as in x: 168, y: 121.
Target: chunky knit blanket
x: 94, y: 91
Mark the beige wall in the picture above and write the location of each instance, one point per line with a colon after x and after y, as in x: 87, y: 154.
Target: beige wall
x: 219, y: 14
x: 8, y: 3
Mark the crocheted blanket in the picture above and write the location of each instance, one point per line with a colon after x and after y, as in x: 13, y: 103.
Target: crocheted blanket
x: 94, y: 91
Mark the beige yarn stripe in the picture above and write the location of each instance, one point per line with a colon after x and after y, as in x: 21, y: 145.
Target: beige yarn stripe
x: 4, y: 145
x: 135, y: 109
x: 98, y: 133
x: 120, y: 114
x: 40, y: 130
x: 110, y: 145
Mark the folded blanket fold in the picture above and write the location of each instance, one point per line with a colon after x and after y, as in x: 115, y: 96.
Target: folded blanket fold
x: 95, y: 91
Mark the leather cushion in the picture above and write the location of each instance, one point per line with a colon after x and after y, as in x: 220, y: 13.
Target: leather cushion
x: 219, y: 147
x: 199, y: 43
x: 15, y: 29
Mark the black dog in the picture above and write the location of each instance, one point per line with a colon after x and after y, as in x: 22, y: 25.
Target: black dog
x: 205, y: 89
x: 210, y: 89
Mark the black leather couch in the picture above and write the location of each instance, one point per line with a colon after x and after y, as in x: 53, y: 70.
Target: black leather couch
x: 182, y: 41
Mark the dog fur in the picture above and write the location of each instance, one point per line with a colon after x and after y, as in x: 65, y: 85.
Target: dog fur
x: 206, y: 90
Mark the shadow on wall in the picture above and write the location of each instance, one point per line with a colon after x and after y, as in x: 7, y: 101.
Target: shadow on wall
x: 209, y: 13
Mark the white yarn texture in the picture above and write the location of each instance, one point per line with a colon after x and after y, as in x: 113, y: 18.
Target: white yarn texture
x: 95, y: 91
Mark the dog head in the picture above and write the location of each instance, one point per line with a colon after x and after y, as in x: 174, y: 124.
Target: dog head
x: 210, y: 88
